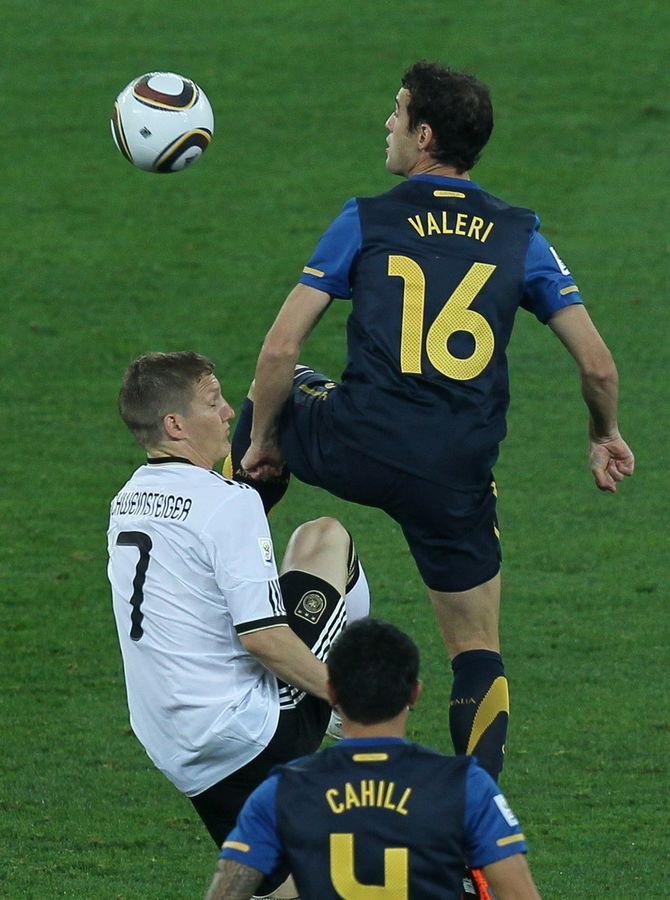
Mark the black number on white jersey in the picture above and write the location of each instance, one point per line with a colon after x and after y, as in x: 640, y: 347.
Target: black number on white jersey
x: 143, y: 543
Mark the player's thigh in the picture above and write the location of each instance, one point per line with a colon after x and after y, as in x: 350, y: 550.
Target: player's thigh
x: 302, y: 424
x: 313, y: 450
x: 299, y: 731
x: 452, y: 534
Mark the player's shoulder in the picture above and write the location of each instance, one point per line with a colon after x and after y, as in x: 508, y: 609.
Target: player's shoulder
x: 230, y: 484
x: 152, y: 489
x: 430, y: 757
x: 223, y: 492
x: 498, y: 204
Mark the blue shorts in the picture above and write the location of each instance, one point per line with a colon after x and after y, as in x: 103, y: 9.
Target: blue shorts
x: 452, y: 534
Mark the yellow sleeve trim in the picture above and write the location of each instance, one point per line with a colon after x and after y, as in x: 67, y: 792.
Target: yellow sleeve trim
x: 503, y: 842
x: 448, y: 194
x: 573, y: 289
x: 309, y: 271
x: 370, y: 757
x: 236, y: 845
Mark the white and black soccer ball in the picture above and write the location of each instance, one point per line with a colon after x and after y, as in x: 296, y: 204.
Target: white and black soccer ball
x: 162, y: 122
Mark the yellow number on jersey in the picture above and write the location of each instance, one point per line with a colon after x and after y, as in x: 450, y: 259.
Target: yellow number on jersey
x: 454, y: 316
x: 346, y: 884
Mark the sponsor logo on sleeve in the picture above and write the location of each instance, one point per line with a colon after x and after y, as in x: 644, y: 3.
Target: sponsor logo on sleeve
x: 266, y: 550
x: 505, y: 810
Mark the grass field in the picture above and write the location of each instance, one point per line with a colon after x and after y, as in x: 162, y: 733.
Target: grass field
x: 102, y: 262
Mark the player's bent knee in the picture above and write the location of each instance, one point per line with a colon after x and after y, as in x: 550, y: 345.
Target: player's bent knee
x: 317, y: 535
x: 320, y: 547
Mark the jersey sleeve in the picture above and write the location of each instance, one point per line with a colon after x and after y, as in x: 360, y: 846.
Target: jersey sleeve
x: 238, y: 535
x: 492, y: 831
x: 548, y: 285
x: 329, y: 267
x: 254, y: 841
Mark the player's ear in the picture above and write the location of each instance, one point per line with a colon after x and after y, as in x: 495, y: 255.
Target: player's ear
x: 332, y: 696
x: 425, y: 136
x: 173, y: 426
x: 415, y: 693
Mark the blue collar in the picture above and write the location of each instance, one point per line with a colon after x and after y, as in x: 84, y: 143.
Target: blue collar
x: 370, y: 741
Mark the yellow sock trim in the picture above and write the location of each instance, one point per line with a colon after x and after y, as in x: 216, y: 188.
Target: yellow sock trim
x: 495, y: 701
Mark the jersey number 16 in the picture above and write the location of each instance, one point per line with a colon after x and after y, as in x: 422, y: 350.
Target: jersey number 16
x: 455, y: 315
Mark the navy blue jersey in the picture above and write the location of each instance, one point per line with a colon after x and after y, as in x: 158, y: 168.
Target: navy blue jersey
x: 376, y: 812
x: 437, y: 269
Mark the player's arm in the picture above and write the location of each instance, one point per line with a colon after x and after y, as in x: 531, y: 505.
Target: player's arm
x: 273, y: 379
x: 610, y: 456
x: 282, y: 651
x: 233, y: 881
x: 510, y: 879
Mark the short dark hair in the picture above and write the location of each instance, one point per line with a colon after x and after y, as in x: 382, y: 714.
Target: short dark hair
x: 373, y: 667
x: 156, y: 384
x: 456, y: 105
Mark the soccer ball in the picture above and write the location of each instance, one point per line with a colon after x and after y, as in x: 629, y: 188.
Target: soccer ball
x: 162, y: 122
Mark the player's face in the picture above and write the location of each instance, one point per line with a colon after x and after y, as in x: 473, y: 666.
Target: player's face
x: 402, y: 148
x: 207, y: 423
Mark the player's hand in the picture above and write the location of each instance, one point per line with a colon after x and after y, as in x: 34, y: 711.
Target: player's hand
x: 611, y: 460
x: 263, y: 462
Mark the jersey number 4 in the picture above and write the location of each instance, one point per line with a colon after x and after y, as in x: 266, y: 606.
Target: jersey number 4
x: 455, y: 315
x: 396, y: 869
x: 143, y: 543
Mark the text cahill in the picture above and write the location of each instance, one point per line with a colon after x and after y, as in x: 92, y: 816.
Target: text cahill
x: 368, y: 792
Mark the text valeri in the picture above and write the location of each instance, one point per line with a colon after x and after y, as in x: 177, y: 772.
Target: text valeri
x: 445, y: 222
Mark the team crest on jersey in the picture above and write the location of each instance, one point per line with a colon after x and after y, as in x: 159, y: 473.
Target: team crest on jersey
x: 266, y: 550
x: 311, y: 606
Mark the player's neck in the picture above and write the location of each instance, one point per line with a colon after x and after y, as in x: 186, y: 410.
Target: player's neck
x: 181, y: 454
x: 395, y: 728
x: 426, y: 165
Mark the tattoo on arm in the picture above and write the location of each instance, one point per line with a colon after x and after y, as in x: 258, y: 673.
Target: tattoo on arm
x: 233, y: 881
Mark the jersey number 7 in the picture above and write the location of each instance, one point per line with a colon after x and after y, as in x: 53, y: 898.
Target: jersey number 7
x: 143, y: 543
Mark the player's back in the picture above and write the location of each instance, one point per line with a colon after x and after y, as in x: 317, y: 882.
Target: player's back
x: 173, y: 559
x: 436, y: 287
x: 385, y: 814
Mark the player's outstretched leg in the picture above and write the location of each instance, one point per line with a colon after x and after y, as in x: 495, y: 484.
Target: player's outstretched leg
x: 479, y: 707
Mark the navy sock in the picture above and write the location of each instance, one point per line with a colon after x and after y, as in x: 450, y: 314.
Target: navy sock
x: 479, y: 708
x: 272, y: 490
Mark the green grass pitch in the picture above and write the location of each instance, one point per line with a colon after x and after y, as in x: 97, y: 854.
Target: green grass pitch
x: 102, y: 262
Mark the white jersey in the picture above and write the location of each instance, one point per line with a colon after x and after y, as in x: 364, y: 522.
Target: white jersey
x: 192, y: 567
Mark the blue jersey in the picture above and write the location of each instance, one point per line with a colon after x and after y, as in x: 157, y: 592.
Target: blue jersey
x: 436, y: 269
x: 376, y: 812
